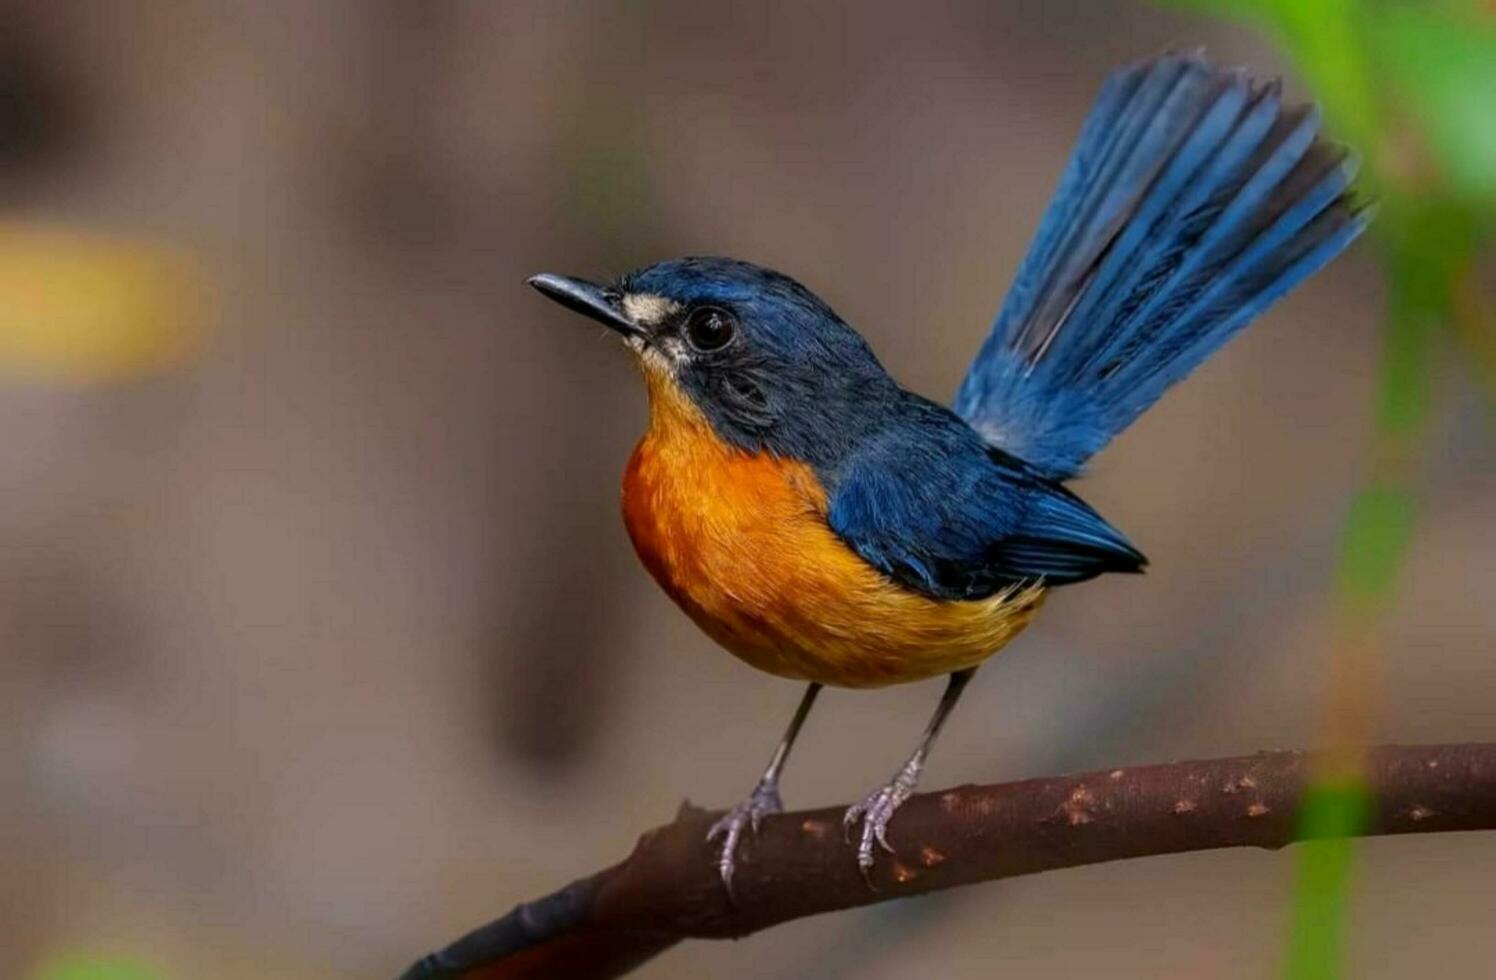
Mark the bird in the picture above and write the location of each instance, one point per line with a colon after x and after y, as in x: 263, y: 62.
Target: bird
x: 826, y: 525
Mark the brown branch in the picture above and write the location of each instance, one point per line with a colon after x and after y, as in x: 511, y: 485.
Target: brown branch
x: 607, y: 924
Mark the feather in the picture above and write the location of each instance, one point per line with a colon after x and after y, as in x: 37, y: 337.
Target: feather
x: 935, y: 509
x: 1192, y: 202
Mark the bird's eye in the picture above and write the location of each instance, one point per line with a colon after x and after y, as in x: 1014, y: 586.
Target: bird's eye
x: 709, y: 329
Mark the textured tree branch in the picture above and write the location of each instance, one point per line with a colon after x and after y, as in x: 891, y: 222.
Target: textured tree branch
x: 607, y: 924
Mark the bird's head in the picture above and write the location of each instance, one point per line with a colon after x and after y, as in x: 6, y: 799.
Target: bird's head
x: 765, y: 361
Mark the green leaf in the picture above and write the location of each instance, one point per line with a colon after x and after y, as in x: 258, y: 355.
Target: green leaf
x: 1439, y: 70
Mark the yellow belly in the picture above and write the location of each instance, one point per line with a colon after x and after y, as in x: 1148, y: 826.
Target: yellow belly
x: 741, y: 543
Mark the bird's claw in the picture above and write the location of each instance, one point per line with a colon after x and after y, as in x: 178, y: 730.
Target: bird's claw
x: 763, y: 801
x: 875, y: 811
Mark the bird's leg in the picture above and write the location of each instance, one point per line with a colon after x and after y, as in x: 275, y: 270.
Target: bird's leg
x: 877, y: 809
x: 764, y: 799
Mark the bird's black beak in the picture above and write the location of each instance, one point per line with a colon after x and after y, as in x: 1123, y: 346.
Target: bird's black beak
x: 588, y: 299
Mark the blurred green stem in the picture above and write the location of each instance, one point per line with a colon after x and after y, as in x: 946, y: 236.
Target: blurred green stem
x: 1378, y: 531
x: 1362, y: 62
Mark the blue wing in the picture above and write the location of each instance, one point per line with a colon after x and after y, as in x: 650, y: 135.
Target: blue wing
x: 1193, y: 201
x: 939, y: 511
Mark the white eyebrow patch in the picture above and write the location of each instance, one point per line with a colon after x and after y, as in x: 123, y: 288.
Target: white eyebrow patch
x: 648, y: 308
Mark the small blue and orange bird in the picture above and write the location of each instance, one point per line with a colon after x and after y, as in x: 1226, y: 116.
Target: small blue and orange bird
x: 824, y: 524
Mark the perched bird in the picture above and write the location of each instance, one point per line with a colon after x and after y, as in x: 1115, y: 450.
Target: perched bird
x: 824, y: 524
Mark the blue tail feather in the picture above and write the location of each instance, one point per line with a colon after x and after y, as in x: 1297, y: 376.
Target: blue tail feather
x: 1192, y: 202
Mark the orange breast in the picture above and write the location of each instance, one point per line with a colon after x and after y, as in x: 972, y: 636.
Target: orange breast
x: 741, y: 543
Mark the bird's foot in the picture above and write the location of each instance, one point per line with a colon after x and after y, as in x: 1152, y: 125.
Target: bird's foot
x: 875, y: 811
x: 763, y: 801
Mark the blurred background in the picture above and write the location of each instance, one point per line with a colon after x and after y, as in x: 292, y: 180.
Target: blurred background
x: 323, y: 641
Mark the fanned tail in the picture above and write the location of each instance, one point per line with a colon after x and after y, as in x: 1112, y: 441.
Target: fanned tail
x: 1193, y: 201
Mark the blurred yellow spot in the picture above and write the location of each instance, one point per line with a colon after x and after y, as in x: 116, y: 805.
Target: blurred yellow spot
x: 79, y: 306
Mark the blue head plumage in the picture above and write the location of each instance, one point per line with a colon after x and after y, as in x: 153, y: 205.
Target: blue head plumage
x: 780, y: 372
